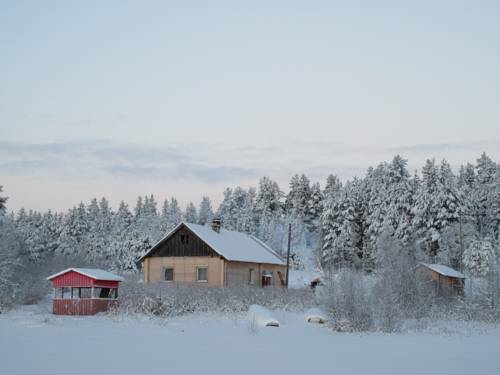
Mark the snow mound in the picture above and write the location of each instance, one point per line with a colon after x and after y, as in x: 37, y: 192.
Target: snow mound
x: 315, y: 315
x: 262, y: 316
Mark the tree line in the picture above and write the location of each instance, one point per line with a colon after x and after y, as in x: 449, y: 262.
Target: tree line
x: 436, y: 215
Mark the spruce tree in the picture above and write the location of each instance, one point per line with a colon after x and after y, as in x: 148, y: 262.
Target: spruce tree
x: 205, y: 212
x: 3, y: 201
x: 191, y: 215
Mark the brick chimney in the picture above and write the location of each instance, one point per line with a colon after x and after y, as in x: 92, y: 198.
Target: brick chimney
x: 216, y: 224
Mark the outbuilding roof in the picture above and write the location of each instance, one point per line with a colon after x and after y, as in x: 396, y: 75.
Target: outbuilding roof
x: 93, y: 273
x: 444, y: 270
x: 232, y: 245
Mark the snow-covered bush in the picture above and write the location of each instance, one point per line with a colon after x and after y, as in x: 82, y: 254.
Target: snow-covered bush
x: 346, y: 297
x: 176, y: 299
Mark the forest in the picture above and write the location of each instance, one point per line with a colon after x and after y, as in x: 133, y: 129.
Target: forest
x: 437, y: 215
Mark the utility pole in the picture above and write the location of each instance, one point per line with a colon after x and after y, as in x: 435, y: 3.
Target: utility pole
x: 461, y: 241
x: 288, y: 252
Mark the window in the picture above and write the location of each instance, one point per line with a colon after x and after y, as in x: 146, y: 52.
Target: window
x: 105, y: 293
x: 101, y: 292
x: 202, y: 274
x: 169, y: 274
x: 75, y: 293
x: 58, y: 293
x: 65, y: 293
x: 85, y: 293
x: 251, y: 276
x: 184, y: 239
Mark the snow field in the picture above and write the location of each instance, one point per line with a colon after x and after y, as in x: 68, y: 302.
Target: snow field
x: 34, y: 341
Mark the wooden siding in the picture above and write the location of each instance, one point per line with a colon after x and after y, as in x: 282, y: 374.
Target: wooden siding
x: 175, y: 247
x: 81, y: 306
x: 443, y: 285
x: 75, y: 279
x: 184, y: 269
x: 238, y: 273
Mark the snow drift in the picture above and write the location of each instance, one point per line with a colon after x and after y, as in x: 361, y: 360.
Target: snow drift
x: 315, y: 315
x: 262, y: 316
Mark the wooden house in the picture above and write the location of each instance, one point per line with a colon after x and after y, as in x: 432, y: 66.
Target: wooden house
x: 210, y: 255
x: 83, y: 291
x: 446, y: 281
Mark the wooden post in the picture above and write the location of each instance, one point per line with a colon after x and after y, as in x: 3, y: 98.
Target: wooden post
x: 288, y: 253
x: 461, y: 241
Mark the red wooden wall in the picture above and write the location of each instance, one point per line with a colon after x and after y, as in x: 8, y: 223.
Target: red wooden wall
x: 81, y: 306
x: 75, y: 279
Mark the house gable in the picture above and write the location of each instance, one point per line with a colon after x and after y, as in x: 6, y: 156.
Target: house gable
x: 182, y: 243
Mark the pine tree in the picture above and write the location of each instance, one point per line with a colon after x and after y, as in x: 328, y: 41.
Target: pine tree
x: 138, y: 207
x: 3, y: 201
x: 333, y: 185
x: 377, y: 198
x: 314, y: 208
x: 478, y: 257
x: 191, y: 216
x: 486, y: 196
x: 175, y: 214
x: 340, y: 230
x: 227, y: 210
x: 74, y: 232
x: 268, y: 201
x: 205, y: 212
x: 400, y: 196
x: 292, y: 198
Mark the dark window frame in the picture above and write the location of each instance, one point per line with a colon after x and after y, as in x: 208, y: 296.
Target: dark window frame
x: 165, y: 274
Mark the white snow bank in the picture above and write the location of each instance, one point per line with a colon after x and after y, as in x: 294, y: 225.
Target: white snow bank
x: 262, y: 316
x: 315, y: 315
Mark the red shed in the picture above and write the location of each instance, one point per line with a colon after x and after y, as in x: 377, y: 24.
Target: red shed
x: 83, y: 291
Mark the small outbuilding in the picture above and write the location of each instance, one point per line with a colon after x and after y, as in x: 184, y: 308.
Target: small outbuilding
x: 447, y: 281
x: 83, y: 291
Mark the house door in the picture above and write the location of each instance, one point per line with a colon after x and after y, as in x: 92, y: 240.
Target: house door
x: 266, y: 280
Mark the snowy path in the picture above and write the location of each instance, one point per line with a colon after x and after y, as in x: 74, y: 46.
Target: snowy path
x: 40, y: 343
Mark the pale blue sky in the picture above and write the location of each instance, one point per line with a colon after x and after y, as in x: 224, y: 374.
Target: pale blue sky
x: 183, y: 98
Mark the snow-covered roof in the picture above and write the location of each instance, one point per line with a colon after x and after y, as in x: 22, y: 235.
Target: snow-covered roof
x: 93, y: 273
x: 232, y: 245
x: 444, y: 270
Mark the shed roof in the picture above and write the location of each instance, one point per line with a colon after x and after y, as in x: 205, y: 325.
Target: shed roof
x: 444, y: 270
x: 93, y: 273
x: 232, y: 245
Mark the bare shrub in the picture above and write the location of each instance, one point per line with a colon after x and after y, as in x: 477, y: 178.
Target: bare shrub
x: 345, y: 297
x: 177, y: 299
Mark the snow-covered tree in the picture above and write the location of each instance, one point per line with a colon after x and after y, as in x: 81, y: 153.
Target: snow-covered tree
x: 191, y: 216
x: 478, y: 257
x: 314, y: 208
x: 340, y: 230
x: 3, y: 201
x: 486, y: 196
x: 437, y: 204
x: 269, y: 197
x: 11, y: 248
x: 399, y: 199
x: 175, y: 214
x: 297, y: 199
x: 74, y: 232
x: 333, y: 185
x: 205, y: 213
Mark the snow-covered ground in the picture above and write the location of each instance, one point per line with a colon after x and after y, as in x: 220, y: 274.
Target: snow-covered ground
x: 32, y: 341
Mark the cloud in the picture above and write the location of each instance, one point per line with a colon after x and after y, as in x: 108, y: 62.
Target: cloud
x: 104, y: 158
x: 477, y: 146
